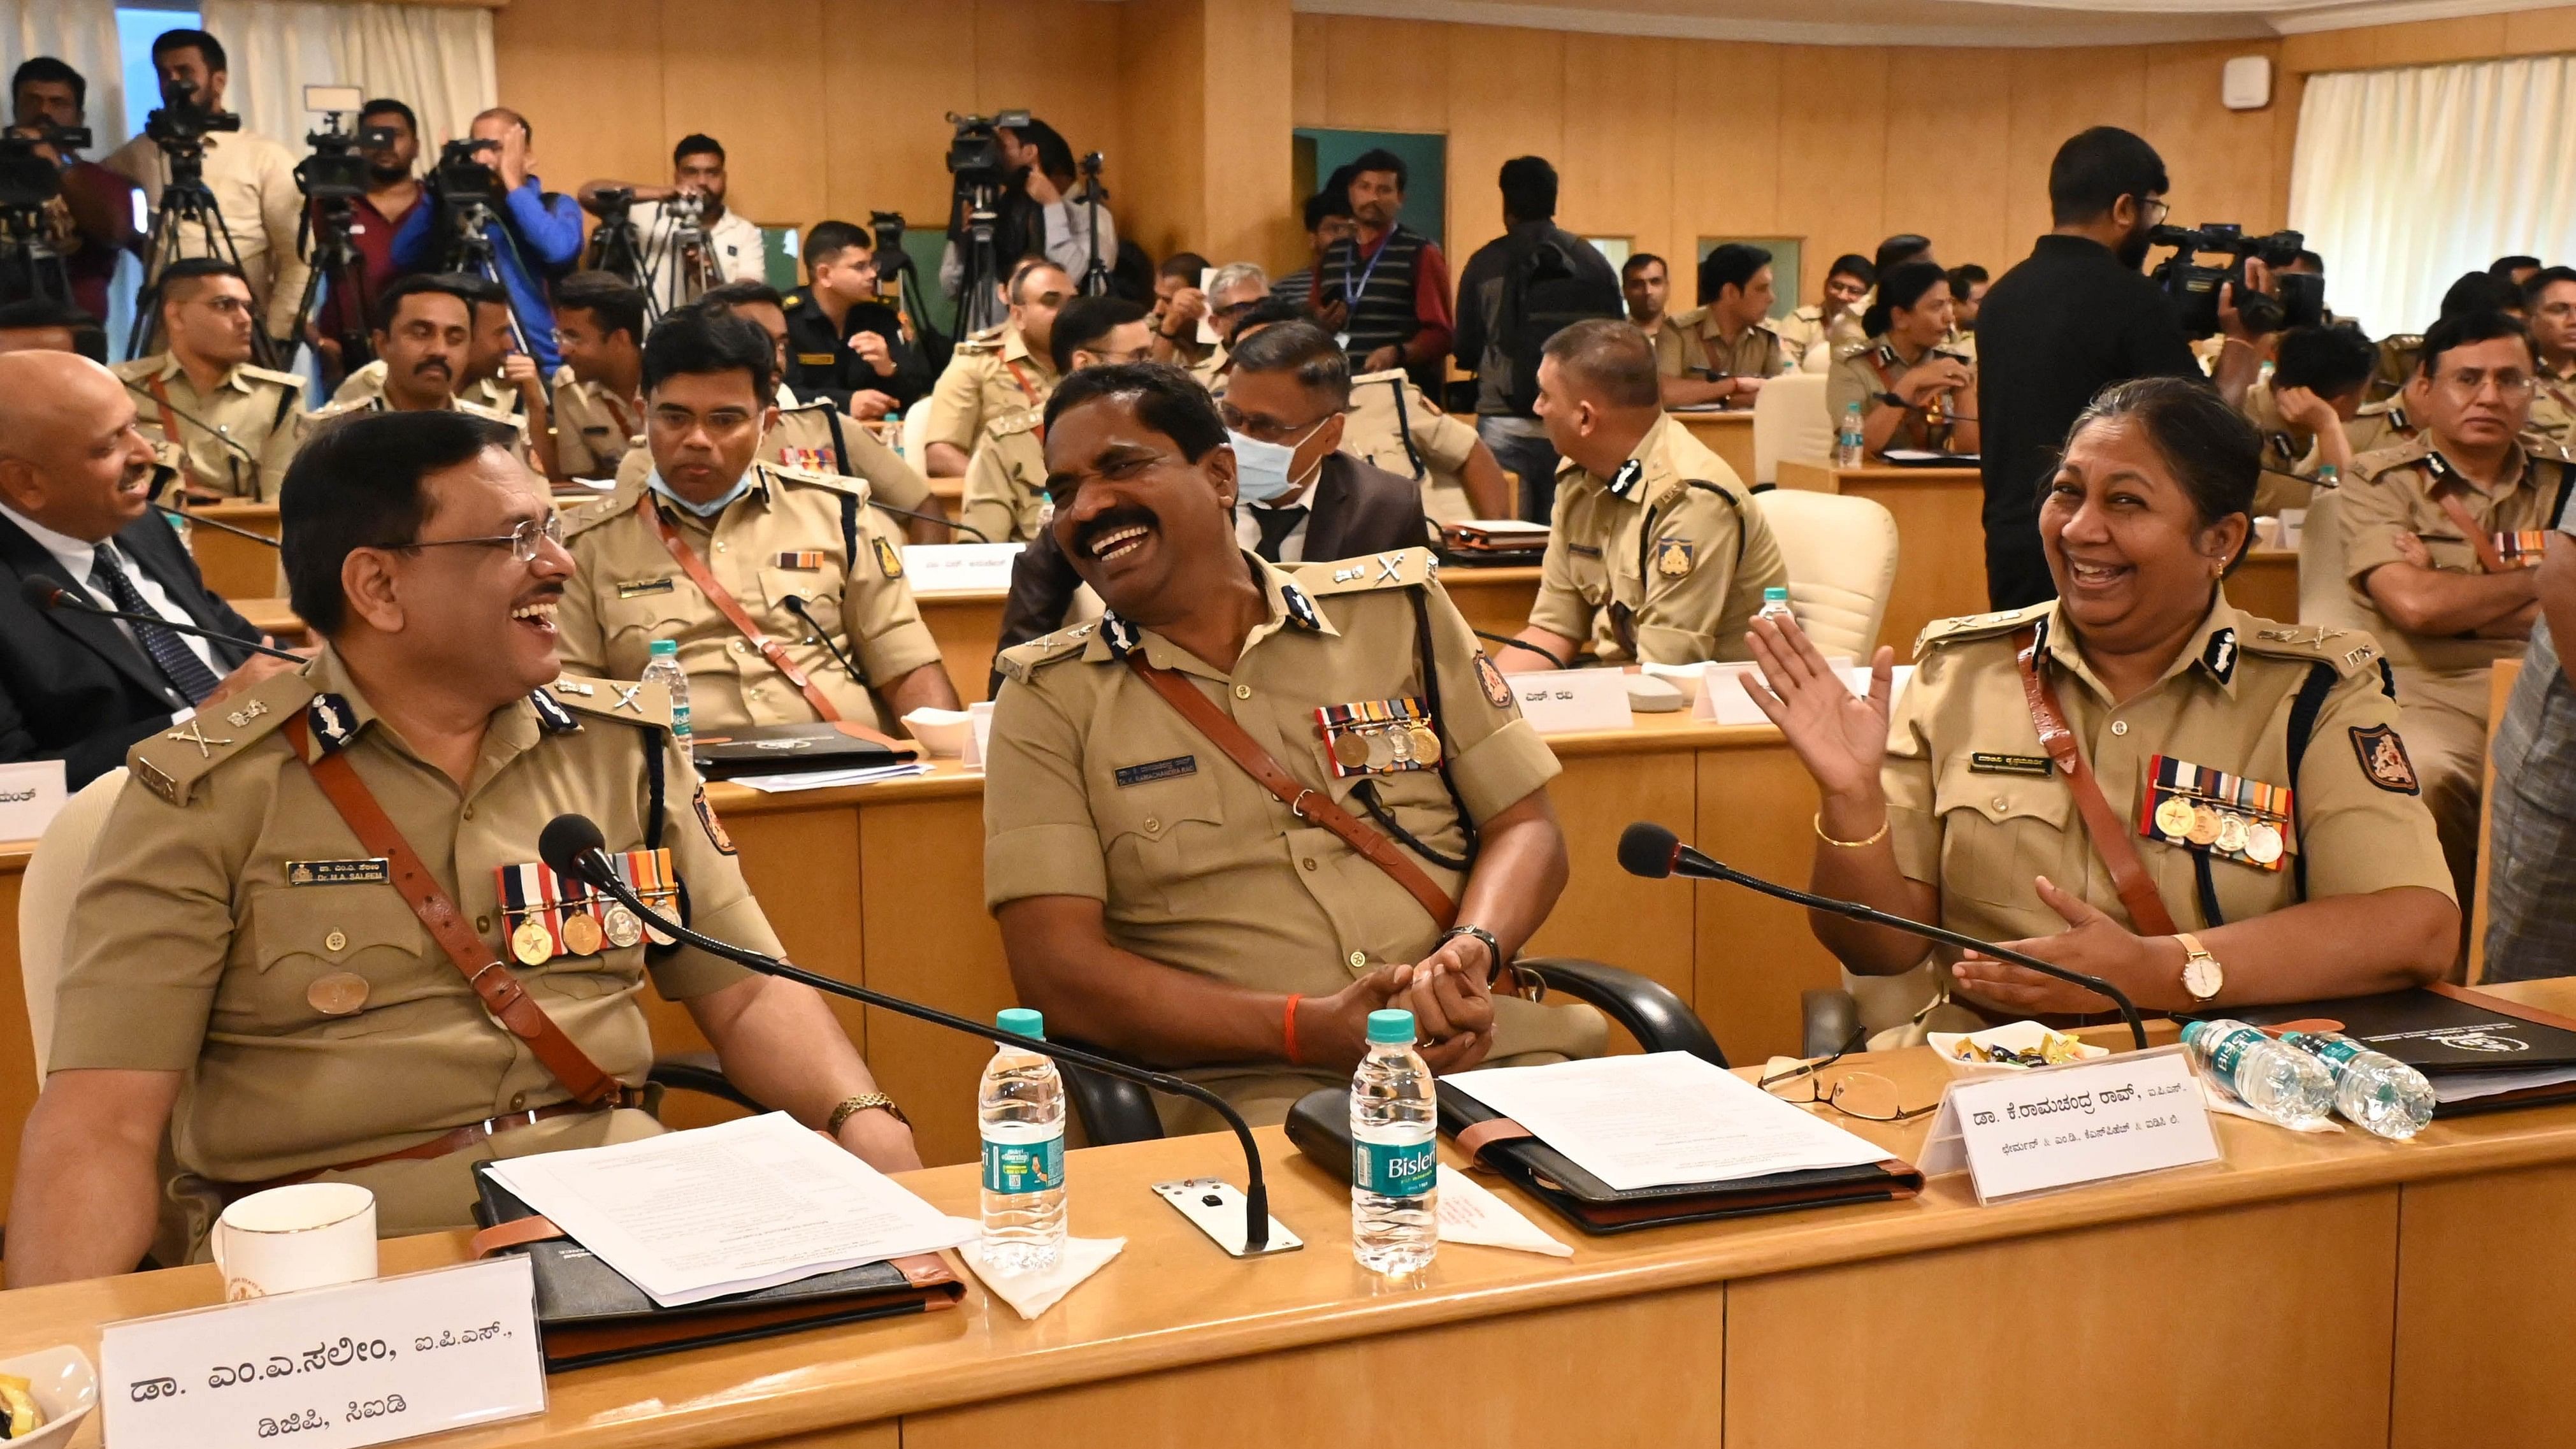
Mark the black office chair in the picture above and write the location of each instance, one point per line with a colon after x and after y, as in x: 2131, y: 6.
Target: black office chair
x: 698, y: 1072
x: 1828, y: 1022
x: 1118, y: 1111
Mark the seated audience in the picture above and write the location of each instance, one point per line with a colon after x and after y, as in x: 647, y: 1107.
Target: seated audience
x: 234, y: 424
x: 1179, y: 304
x: 1913, y: 390
x: 2514, y: 271
x: 1005, y: 498
x: 493, y: 378
x: 1236, y: 291
x: 1809, y: 332
x: 599, y: 391
x: 2550, y: 302
x: 842, y: 342
x: 1724, y: 350
x: 1002, y: 369
x: 424, y: 336
x: 2531, y: 834
x: 2304, y: 410
x: 1647, y: 285
x: 1299, y: 496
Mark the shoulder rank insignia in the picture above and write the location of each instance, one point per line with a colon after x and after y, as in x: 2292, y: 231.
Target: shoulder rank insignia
x: 1121, y: 636
x: 1301, y: 610
x: 2383, y: 759
x: 332, y: 722
x: 1623, y: 484
x: 889, y: 562
x: 553, y: 718
x: 1674, y: 557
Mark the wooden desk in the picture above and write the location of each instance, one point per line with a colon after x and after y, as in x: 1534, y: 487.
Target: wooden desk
x: 2308, y: 1290
x: 235, y: 567
x: 1729, y: 435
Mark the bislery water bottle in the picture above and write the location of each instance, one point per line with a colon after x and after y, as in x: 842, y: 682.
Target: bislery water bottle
x: 662, y: 667
x: 2282, y: 1083
x: 2375, y: 1091
x: 1394, y: 1163
x: 1021, y: 1109
x: 1851, y: 442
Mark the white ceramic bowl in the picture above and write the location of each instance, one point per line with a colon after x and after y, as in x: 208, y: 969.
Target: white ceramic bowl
x: 2020, y: 1036
x: 64, y: 1387
x: 940, y: 731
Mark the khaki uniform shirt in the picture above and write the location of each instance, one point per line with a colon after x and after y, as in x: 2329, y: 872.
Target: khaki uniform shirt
x: 1387, y: 412
x: 1210, y: 371
x: 1005, y: 495
x: 807, y: 535
x: 813, y: 438
x: 2397, y: 354
x: 1859, y: 377
x: 2392, y: 492
x: 1977, y: 810
x: 313, y: 1016
x: 1690, y: 345
x: 992, y: 373
x: 253, y: 181
x: 489, y: 393
x: 2383, y: 424
x: 594, y: 430
x: 2553, y: 408
x: 1095, y: 786
x: 311, y: 422
x: 237, y: 439
x: 1802, y: 336
x: 2290, y: 454
x: 1665, y: 563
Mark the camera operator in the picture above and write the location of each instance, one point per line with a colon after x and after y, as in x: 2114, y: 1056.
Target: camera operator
x: 251, y: 176
x: 1039, y: 210
x: 729, y: 249
x: 2073, y: 318
x: 393, y: 189
x: 842, y: 343
x: 96, y: 206
x: 532, y: 234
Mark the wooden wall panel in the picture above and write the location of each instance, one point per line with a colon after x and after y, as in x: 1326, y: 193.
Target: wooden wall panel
x: 2056, y: 93
x: 1311, y: 42
x: 1159, y: 184
x: 1378, y: 75
x: 1506, y: 99
x: 743, y: 71
x: 1726, y: 148
x: 1619, y: 136
x: 1949, y: 121
x: 591, y: 92
x: 1252, y: 199
x: 892, y: 72
x: 1833, y: 152
x: 2221, y: 160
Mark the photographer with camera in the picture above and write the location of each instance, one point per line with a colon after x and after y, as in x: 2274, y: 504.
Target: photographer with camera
x: 91, y: 210
x: 1041, y: 204
x: 390, y: 143
x: 489, y: 217
x: 191, y: 141
x: 2073, y: 318
x: 690, y: 241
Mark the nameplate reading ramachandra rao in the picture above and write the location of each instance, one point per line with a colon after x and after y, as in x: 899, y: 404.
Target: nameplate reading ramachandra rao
x: 2054, y: 1127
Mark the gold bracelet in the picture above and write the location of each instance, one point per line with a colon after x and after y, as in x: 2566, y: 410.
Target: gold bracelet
x: 869, y: 1102
x: 1853, y: 844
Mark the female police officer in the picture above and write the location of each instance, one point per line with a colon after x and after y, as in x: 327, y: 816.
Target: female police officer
x: 1913, y: 392
x: 2136, y: 780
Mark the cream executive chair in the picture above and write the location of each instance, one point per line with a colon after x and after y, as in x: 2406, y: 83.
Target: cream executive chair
x: 1841, y: 556
x: 1789, y: 422
x: 54, y: 875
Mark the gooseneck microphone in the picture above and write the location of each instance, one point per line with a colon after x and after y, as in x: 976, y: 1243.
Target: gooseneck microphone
x: 199, y: 520
x: 795, y: 604
x: 1650, y: 850
x: 572, y: 846
x: 44, y: 593
x: 980, y: 535
x: 1509, y: 642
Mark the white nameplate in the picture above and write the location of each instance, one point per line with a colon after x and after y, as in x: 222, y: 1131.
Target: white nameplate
x: 360, y: 1363
x: 31, y: 795
x: 960, y: 568
x: 1561, y: 701
x: 1722, y: 699
x: 2053, y: 1127
x: 979, y: 734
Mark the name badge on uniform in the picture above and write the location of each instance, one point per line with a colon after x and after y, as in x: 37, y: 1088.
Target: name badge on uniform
x: 816, y: 359
x: 803, y: 560
x: 2199, y: 808
x: 371, y: 871
x: 1983, y: 762
x: 637, y: 588
x: 1378, y: 737
x: 1146, y: 774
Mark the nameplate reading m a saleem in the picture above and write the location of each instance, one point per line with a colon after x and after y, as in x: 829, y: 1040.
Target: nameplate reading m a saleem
x: 2054, y: 1127
x: 357, y: 1364
x: 1563, y: 701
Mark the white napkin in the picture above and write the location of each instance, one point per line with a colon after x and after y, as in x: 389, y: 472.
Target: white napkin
x: 1031, y: 1294
x: 1470, y: 1214
x: 2221, y: 1102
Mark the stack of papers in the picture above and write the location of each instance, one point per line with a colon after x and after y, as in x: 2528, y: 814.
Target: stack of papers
x: 829, y: 779
x: 729, y: 1209
x: 1667, y: 1119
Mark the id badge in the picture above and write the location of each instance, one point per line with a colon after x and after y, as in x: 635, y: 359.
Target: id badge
x: 1342, y: 340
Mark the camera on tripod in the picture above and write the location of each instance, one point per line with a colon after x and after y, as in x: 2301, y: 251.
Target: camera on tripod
x: 337, y: 169
x: 975, y: 151
x: 28, y: 179
x: 465, y: 176
x: 181, y: 125
x: 2193, y: 288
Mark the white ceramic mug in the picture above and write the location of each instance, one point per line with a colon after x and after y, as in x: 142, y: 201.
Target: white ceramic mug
x: 311, y: 1235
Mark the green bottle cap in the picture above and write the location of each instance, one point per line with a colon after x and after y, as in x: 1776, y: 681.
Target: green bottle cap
x: 1391, y: 1026
x: 1775, y: 596
x: 662, y: 648
x: 1022, y: 1020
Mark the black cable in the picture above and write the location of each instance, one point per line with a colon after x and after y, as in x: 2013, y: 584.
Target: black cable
x: 1510, y: 643
x: 795, y: 604
x: 931, y: 518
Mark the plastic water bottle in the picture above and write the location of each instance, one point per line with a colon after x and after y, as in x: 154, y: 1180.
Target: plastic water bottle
x: 1850, y: 443
x: 2284, y: 1084
x: 662, y: 667
x: 2375, y: 1091
x: 1775, y: 607
x: 1021, y: 1109
x: 1395, y: 1122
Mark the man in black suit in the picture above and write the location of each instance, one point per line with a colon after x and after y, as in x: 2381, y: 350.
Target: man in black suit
x: 1299, y: 497
x: 76, y: 488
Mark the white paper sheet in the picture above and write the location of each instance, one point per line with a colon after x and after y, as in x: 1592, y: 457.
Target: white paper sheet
x: 1469, y: 1213
x: 1662, y: 1119
x: 732, y: 1208
x: 829, y: 779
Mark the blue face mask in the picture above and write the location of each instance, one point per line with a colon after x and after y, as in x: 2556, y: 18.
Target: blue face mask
x: 1261, y: 469
x: 741, y: 486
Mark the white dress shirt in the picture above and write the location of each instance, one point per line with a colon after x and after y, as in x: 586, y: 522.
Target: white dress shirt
x: 78, y: 557
x: 253, y: 181
x: 733, y: 250
x: 1292, y: 549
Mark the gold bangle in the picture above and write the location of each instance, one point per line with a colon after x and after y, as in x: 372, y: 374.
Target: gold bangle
x: 1853, y: 844
x: 870, y: 1101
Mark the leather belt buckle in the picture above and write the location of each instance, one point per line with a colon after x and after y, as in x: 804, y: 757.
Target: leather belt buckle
x: 1297, y: 807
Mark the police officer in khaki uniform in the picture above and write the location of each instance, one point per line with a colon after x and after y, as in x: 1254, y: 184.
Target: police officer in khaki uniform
x: 1724, y: 349
x: 2442, y: 544
x: 248, y: 965
x: 2383, y: 424
x: 1000, y: 370
x: 1913, y: 391
x: 423, y: 335
x: 2258, y: 836
x: 1156, y: 899
x: 367, y: 385
x: 707, y: 531
x: 1005, y: 494
x: 1658, y: 555
x: 2304, y: 410
x: 235, y: 424
x: 2549, y: 300
x: 598, y: 392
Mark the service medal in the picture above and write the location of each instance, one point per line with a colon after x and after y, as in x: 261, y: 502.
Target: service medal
x: 2232, y: 834
x: 1399, y: 743
x: 1426, y: 745
x: 2173, y: 817
x: 2204, y: 825
x: 622, y: 929
x: 2262, y: 843
x: 1351, y: 749
x: 531, y: 944
x: 581, y: 933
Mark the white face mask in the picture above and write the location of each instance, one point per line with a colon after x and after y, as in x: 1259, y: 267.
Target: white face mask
x: 1261, y: 469
x: 741, y: 486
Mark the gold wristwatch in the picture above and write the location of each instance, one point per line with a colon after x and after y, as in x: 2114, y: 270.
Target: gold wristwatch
x: 2202, y: 976
x: 866, y: 1102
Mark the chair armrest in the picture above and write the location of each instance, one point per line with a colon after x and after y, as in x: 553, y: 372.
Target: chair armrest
x: 1660, y: 1020
x: 1112, y: 1108
x: 698, y: 1072
x: 1829, y: 1022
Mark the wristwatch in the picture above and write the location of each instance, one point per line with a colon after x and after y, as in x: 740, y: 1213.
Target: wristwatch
x: 865, y: 1102
x: 2202, y: 976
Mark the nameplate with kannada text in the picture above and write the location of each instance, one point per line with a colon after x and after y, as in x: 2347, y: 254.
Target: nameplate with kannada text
x: 960, y: 568
x: 2018, y: 1133
x: 361, y: 1363
x: 31, y: 795
x: 1562, y: 701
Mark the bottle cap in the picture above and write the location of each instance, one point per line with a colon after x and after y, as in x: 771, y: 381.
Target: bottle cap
x: 1775, y: 596
x: 662, y: 648
x: 1022, y: 1020
x: 1391, y: 1026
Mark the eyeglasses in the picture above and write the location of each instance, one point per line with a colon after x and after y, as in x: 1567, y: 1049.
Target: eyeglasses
x: 522, y: 541
x: 1266, y: 430
x: 1864, y: 1095
x: 2154, y: 212
x: 2470, y: 381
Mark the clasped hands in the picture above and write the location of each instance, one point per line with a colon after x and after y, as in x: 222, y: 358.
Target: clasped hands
x: 1453, y: 1009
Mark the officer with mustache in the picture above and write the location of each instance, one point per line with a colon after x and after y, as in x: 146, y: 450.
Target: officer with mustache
x: 424, y: 332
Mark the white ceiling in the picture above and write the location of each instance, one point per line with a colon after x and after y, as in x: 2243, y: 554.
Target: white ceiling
x: 1932, y: 22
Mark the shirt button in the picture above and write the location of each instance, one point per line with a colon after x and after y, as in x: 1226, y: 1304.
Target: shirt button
x: 1308, y: 862
x: 1243, y: 691
x: 1359, y: 960
x: 518, y: 1101
x: 2119, y: 727
x: 2002, y: 804
x: 720, y: 545
x: 336, y: 941
x: 482, y: 923
x: 469, y: 812
x: 1152, y: 825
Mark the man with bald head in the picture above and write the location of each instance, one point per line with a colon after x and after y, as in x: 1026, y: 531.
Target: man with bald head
x: 77, y: 478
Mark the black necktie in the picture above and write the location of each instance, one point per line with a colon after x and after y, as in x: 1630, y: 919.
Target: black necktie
x: 1275, y: 525
x: 178, y: 663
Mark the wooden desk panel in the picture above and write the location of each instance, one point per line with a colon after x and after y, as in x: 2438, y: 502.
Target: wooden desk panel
x: 2486, y: 1302
x: 1729, y: 435
x: 236, y: 568
x: 1756, y: 810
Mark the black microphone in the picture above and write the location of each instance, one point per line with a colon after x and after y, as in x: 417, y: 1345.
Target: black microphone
x: 980, y: 534
x: 1649, y: 850
x: 196, y: 520
x: 44, y: 593
x: 795, y: 604
x: 572, y: 846
x: 1510, y: 643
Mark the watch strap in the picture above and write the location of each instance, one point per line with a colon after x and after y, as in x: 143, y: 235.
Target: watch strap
x: 866, y: 1101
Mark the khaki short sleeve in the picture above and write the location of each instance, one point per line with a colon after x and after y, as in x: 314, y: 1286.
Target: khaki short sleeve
x: 152, y: 927
x: 878, y: 614
x: 957, y: 405
x: 1560, y: 607
x: 1905, y: 776
x: 889, y: 477
x: 1674, y: 351
x: 990, y: 503
x: 2357, y: 835
x: 278, y: 452
x: 1851, y: 380
x: 2374, y: 513
x: 1039, y: 835
x: 1445, y: 442
x: 1500, y: 759
x: 720, y: 903
x: 1679, y: 621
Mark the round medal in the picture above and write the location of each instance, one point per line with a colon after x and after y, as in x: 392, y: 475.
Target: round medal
x: 2204, y: 825
x: 339, y: 994
x: 1426, y: 744
x: 2231, y: 834
x: 1352, y: 750
x: 581, y: 933
x: 2173, y: 817
x: 622, y: 927
x: 2262, y: 842
x: 1399, y: 743
x: 531, y: 944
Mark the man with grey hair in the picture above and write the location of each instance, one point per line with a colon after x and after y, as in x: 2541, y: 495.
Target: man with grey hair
x: 1232, y: 293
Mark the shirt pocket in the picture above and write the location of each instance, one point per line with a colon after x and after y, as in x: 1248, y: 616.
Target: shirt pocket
x: 818, y: 589
x: 307, y: 943
x: 630, y: 620
x: 1999, y: 831
x: 1161, y: 837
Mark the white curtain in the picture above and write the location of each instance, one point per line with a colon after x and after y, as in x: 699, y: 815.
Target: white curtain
x: 2403, y: 179
x: 437, y: 59
x: 81, y: 33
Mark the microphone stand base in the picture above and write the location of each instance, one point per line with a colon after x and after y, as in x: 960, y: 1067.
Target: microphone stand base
x: 1216, y: 1207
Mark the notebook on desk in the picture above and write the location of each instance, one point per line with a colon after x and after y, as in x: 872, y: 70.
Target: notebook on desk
x: 2481, y: 1051
x: 778, y: 749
